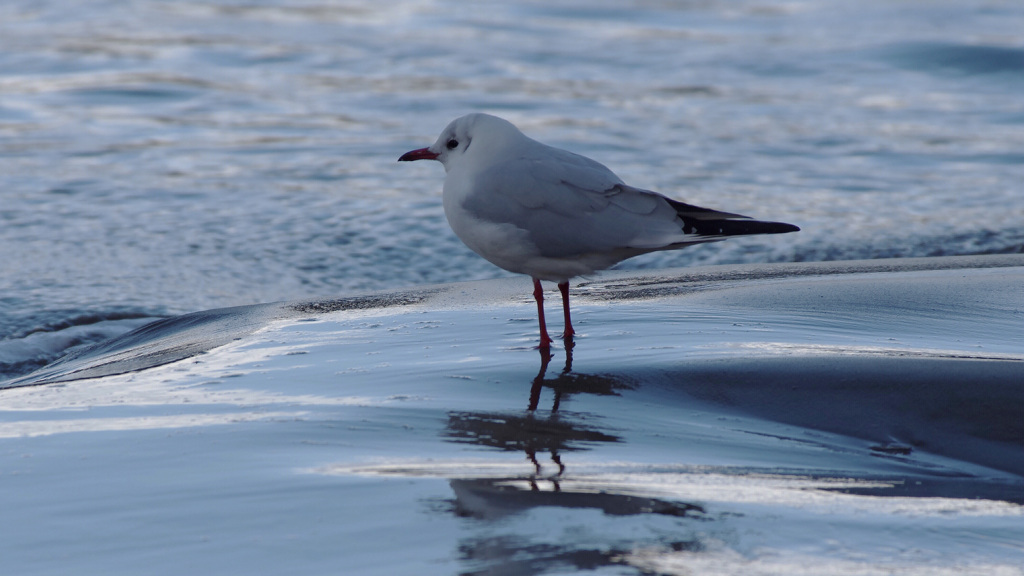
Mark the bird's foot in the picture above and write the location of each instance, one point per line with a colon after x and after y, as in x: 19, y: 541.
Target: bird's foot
x: 545, y: 342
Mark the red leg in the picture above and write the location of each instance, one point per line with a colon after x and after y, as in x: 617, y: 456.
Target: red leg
x: 564, y: 288
x: 538, y: 295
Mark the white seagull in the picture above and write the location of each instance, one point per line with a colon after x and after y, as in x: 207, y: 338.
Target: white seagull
x: 551, y: 214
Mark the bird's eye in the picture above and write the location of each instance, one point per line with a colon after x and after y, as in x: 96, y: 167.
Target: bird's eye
x: 453, y: 144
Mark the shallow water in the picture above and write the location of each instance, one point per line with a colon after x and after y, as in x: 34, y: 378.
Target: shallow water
x: 756, y: 422
x: 159, y: 158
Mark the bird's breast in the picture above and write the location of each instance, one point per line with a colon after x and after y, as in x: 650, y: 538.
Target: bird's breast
x: 502, y: 243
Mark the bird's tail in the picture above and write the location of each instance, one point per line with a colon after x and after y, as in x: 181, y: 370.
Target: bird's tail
x: 708, y: 222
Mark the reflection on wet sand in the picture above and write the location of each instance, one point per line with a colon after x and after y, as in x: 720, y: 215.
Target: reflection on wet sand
x: 511, y: 555
x: 531, y: 433
x: 491, y: 499
x: 568, y: 382
x: 526, y: 433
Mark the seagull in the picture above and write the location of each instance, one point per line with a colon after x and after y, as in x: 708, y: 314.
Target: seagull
x: 554, y: 215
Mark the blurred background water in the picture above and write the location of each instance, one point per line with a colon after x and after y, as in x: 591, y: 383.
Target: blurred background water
x: 161, y: 157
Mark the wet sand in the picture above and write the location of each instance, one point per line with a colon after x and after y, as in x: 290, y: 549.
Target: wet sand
x: 850, y: 416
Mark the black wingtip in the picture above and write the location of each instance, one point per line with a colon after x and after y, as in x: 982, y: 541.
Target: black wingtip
x: 708, y: 222
x: 740, y: 227
x: 781, y: 228
x: 736, y: 227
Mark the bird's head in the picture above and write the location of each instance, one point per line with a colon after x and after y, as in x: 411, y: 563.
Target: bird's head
x: 467, y: 136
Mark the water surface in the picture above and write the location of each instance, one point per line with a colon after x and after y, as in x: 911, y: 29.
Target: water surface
x: 165, y: 157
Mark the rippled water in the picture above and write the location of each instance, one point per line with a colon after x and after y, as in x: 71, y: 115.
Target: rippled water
x: 163, y: 157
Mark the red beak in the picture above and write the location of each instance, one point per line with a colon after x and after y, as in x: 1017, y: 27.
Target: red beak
x: 421, y: 154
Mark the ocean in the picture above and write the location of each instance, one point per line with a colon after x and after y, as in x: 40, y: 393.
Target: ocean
x: 158, y: 158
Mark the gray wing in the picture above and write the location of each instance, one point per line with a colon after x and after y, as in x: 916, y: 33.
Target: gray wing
x: 571, y: 205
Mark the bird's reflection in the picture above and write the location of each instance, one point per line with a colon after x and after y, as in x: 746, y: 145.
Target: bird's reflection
x: 531, y: 433
x: 526, y: 433
x: 568, y: 382
x: 556, y: 432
